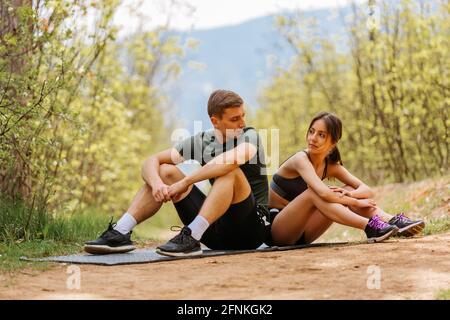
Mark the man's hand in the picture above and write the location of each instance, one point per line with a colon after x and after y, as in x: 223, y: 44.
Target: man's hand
x: 160, y: 192
x: 341, y: 192
x: 178, y: 188
x: 365, y: 203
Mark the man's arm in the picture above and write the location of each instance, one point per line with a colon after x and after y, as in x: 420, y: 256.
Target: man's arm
x: 217, y: 167
x: 150, y: 172
x: 224, y: 163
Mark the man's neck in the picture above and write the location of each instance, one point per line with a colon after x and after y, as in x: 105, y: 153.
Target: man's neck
x: 220, y: 137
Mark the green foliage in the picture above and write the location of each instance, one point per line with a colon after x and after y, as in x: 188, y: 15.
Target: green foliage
x: 390, y: 90
x: 79, y: 111
x: 426, y: 199
x: 437, y: 225
x: 21, y: 223
x: 443, y: 294
x: 11, y: 252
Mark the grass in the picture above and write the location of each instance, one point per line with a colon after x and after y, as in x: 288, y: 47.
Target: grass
x: 20, y: 223
x: 35, y: 233
x: 443, y: 294
x: 437, y: 225
x: 158, y: 227
x: 427, y: 200
x: 11, y: 253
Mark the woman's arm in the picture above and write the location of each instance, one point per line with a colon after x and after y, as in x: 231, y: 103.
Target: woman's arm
x: 362, y: 191
x: 304, y: 168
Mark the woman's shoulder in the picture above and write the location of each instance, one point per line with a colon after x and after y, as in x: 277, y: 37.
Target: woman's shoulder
x: 290, y: 164
x: 298, y: 158
x: 300, y: 155
x: 333, y: 167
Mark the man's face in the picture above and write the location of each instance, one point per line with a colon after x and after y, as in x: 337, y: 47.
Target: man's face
x: 232, y: 122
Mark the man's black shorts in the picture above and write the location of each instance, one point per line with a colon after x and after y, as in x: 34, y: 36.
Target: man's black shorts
x: 241, y: 227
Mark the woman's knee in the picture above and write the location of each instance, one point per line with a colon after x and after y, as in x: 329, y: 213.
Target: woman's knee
x: 313, y: 197
x: 308, y: 194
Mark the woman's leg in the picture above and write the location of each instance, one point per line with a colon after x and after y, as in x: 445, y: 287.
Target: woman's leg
x: 317, y: 224
x: 291, y: 222
x: 369, y: 212
x: 408, y: 227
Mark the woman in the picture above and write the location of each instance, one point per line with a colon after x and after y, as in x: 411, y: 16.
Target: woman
x: 303, y: 207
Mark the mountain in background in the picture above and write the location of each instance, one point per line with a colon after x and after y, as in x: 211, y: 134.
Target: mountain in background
x: 242, y: 58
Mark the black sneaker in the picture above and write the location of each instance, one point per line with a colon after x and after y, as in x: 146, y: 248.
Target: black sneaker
x: 111, y: 241
x: 378, y: 230
x: 406, y: 226
x: 182, y: 245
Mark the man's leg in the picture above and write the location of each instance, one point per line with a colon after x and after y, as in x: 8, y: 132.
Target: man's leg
x: 227, y: 190
x: 144, y: 204
x: 117, y: 239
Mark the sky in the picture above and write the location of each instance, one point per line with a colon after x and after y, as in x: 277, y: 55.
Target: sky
x: 205, y: 14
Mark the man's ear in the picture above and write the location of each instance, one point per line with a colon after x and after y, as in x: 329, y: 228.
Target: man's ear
x: 214, y: 120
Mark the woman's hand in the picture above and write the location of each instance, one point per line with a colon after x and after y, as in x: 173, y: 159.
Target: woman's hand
x: 341, y: 192
x: 365, y: 203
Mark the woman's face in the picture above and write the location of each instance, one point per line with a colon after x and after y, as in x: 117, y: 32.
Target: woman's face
x: 319, y: 140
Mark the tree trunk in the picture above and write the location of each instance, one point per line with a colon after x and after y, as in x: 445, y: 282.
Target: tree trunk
x: 15, y: 178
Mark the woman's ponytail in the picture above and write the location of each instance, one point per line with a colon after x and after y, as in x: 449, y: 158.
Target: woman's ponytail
x: 335, y: 156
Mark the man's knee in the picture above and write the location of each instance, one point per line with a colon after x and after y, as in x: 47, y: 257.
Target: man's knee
x: 235, y: 173
x: 169, y: 173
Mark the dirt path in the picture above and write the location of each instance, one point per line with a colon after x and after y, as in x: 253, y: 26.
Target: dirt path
x: 409, y: 269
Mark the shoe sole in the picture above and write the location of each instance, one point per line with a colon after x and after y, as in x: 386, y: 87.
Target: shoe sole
x: 411, y: 230
x: 179, y: 254
x: 95, y: 249
x: 384, y: 236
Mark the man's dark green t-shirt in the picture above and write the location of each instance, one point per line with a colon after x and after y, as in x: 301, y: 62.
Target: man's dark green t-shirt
x: 203, y: 147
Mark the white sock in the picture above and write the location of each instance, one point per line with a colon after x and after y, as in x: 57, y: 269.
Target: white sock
x: 126, y: 223
x: 198, y: 227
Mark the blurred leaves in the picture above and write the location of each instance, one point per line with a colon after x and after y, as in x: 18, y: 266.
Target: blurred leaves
x: 79, y: 111
x: 390, y: 89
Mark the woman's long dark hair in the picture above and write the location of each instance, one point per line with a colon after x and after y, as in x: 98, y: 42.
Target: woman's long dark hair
x: 334, y: 128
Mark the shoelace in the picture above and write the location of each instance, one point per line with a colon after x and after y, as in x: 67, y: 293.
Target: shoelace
x: 179, y: 237
x: 111, y: 226
x: 403, y: 218
x: 377, y: 223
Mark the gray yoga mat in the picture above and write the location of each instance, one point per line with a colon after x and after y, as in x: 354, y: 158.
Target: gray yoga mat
x: 149, y: 255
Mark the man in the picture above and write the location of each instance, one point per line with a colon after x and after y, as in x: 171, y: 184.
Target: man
x: 232, y: 158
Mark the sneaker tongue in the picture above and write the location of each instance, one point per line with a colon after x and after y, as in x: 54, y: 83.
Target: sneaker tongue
x: 394, y: 219
x: 186, y: 231
x: 377, y: 223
